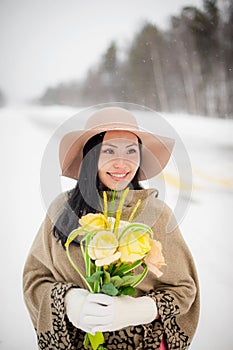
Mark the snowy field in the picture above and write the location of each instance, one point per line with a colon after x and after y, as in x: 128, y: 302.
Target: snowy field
x: 204, y: 218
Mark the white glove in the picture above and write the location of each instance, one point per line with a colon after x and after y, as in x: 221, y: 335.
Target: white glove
x: 129, y: 311
x: 101, y: 313
x: 88, y: 311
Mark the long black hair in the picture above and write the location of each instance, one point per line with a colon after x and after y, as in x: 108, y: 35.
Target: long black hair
x: 85, y: 197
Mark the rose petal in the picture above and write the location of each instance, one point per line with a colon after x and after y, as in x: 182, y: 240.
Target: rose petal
x: 108, y: 260
x: 155, y: 259
x: 154, y: 270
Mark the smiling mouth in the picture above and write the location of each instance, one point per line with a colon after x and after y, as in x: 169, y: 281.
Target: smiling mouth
x: 118, y: 176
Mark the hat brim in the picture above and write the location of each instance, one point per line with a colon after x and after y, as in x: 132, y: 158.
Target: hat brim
x: 156, y: 151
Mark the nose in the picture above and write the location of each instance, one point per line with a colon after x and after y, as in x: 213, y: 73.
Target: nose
x: 120, y: 163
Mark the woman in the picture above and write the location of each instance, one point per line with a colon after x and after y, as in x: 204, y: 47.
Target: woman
x: 111, y: 153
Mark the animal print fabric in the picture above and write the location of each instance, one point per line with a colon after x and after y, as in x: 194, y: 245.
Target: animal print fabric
x: 65, y: 336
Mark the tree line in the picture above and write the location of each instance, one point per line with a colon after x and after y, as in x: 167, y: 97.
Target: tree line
x: 2, y: 99
x: 186, y: 68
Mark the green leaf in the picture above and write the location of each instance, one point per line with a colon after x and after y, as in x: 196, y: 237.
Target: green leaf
x: 93, y: 267
x: 128, y: 280
x: 119, y: 271
x: 111, y: 268
x: 86, y: 341
x: 116, y: 281
x: 109, y: 289
x: 95, y: 277
x: 123, y: 281
x: 96, y: 340
x: 106, y: 277
x: 128, y: 291
x: 126, y: 267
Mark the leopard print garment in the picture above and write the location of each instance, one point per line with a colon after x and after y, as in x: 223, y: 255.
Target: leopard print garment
x: 175, y: 338
x: 66, y: 336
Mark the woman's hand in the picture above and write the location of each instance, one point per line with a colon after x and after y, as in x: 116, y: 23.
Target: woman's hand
x: 101, y: 313
x: 87, y: 311
x: 129, y: 311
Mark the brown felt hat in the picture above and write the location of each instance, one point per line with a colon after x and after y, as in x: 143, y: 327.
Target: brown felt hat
x: 156, y: 150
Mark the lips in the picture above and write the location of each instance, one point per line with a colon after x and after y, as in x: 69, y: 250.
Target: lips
x: 118, y: 176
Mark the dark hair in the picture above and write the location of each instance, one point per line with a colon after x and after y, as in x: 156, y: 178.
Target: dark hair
x: 85, y: 197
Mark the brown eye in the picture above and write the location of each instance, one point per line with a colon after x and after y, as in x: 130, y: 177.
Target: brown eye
x: 132, y: 150
x: 108, y: 151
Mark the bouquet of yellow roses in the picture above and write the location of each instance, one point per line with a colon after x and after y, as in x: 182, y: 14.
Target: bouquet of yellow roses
x: 112, y: 249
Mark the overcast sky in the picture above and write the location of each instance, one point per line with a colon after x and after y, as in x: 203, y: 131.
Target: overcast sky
x: 44, y: 42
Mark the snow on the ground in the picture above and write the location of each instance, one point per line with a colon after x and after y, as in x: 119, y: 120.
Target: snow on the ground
x: 205, y: 219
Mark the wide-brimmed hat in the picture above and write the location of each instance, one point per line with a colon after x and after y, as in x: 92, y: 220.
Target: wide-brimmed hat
x: 156, y: 150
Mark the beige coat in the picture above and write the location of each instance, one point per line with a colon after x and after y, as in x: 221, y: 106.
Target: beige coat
x: 48, y: 275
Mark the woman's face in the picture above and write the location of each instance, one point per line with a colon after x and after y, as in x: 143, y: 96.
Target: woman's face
x: 119, y: 159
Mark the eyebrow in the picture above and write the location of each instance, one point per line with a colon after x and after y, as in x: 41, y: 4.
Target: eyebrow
x: 132, y: 144
x: 109, y: 144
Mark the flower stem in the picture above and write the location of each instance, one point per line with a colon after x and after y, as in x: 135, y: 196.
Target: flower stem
x: 119, y: 211
x: 112, y: 205
x: 105, y: 205
x: 85, y: 254
x: 96, y: 340
x: 71, y: 237
x: 96, y: 288
x: 86, y: 341
x: 136, y: 226
x: 141, y: 277
x: 135, y: 210
x: 125, y: 269
x: 87, y: 258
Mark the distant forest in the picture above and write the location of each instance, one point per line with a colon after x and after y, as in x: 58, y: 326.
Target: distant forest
x: 187, y: 68
x: 2, y: 99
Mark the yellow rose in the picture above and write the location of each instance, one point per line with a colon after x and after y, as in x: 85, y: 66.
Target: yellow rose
x: 155, y: 259
x: 103, y: 245
x: 94, y: 221
x: 134, y: 246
